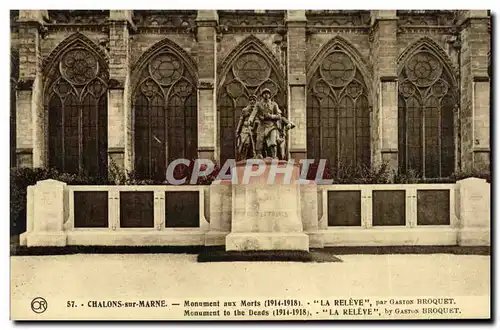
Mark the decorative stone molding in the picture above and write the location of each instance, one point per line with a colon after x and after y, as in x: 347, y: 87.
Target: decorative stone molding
x: 76, y: 39
x: 163, y: 21
x: 78, y: 20
x: 76, y: 28
x: 251, y: 22
x: 338, y: 21
x: 50, y: 64
x: 78, y: 16
x: 337, y: 29
x: 345, y: 46
x: 338, y: 18
x: 426, y: 29
x: 165, y: 44
x: 427, y: 17
x: 426, y: 43
x: 251, y: 42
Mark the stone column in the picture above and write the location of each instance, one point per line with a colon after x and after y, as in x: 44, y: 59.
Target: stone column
x: 119, y: 107
x: 296, y: 71
x: 220, y: 203
x: 31, y: 136
x: 475, y: 84
x: 309, y: 214
x: 385, y: 102
x: 47, y: 212
x: 206, y: 23
x: 473, y: 205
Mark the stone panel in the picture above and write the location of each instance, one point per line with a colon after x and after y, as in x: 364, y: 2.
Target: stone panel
x: 136, y: 209
x: 344, y: 208
x: 91, y: 209
x: 433, y: 207
x: 389, y: 208
x: 182, y: 209
x: 474, y: 212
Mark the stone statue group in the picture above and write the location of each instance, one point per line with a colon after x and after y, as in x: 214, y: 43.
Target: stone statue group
x: 262, y: 129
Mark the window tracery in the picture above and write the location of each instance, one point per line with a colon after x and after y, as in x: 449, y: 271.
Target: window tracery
x: 426, y: 102
x: 338, y: 113
x: 77, y: 107
x: 165, y: 107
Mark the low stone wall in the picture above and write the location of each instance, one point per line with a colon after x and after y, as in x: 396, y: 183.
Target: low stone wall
x: 60, y: 215
x: 331, y: 215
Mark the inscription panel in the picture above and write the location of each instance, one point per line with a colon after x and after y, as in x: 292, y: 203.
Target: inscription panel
x: 266, y: 208
x: 91, y: 209
x: 182, y: 209
x: 433, y: 207
x: 136, y: 209
x: 344, y: 208
x: 389, y: 208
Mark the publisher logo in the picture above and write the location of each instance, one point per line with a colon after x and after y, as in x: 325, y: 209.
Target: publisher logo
x: 39, y: 305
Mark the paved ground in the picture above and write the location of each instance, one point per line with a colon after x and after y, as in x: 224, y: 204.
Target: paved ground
x: 156, y: 276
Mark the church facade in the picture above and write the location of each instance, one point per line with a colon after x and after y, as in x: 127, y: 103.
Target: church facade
x: 142, y: 88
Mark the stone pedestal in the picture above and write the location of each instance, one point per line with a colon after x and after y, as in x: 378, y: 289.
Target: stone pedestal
x: 48, y: 214
x: 266, y: 214
x: 220, y: 213
x: 267, y: 241
x: 309, y: 214
x: 473, y: 201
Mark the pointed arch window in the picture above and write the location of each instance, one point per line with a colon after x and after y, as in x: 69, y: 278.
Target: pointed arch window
x: 165, y: 108
x: 338, y: 113
x: 249, y: 73
x: 77, y: 108
x: 426, y: 121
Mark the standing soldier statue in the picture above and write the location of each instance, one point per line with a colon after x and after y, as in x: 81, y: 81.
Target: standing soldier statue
x: 284, y: 125
x: 245, y: 142
x: 271, y: 131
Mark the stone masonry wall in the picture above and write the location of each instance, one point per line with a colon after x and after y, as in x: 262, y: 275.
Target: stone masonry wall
x: 464, y: 36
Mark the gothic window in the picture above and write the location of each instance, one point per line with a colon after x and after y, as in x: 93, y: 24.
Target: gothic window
x: 426, y: 105
x: 77, y: 107
x: 165, y: 107
x: 249, y: 74
x: 338, y: 114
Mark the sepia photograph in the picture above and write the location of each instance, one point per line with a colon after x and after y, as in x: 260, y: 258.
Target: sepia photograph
x: 250, y: 165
